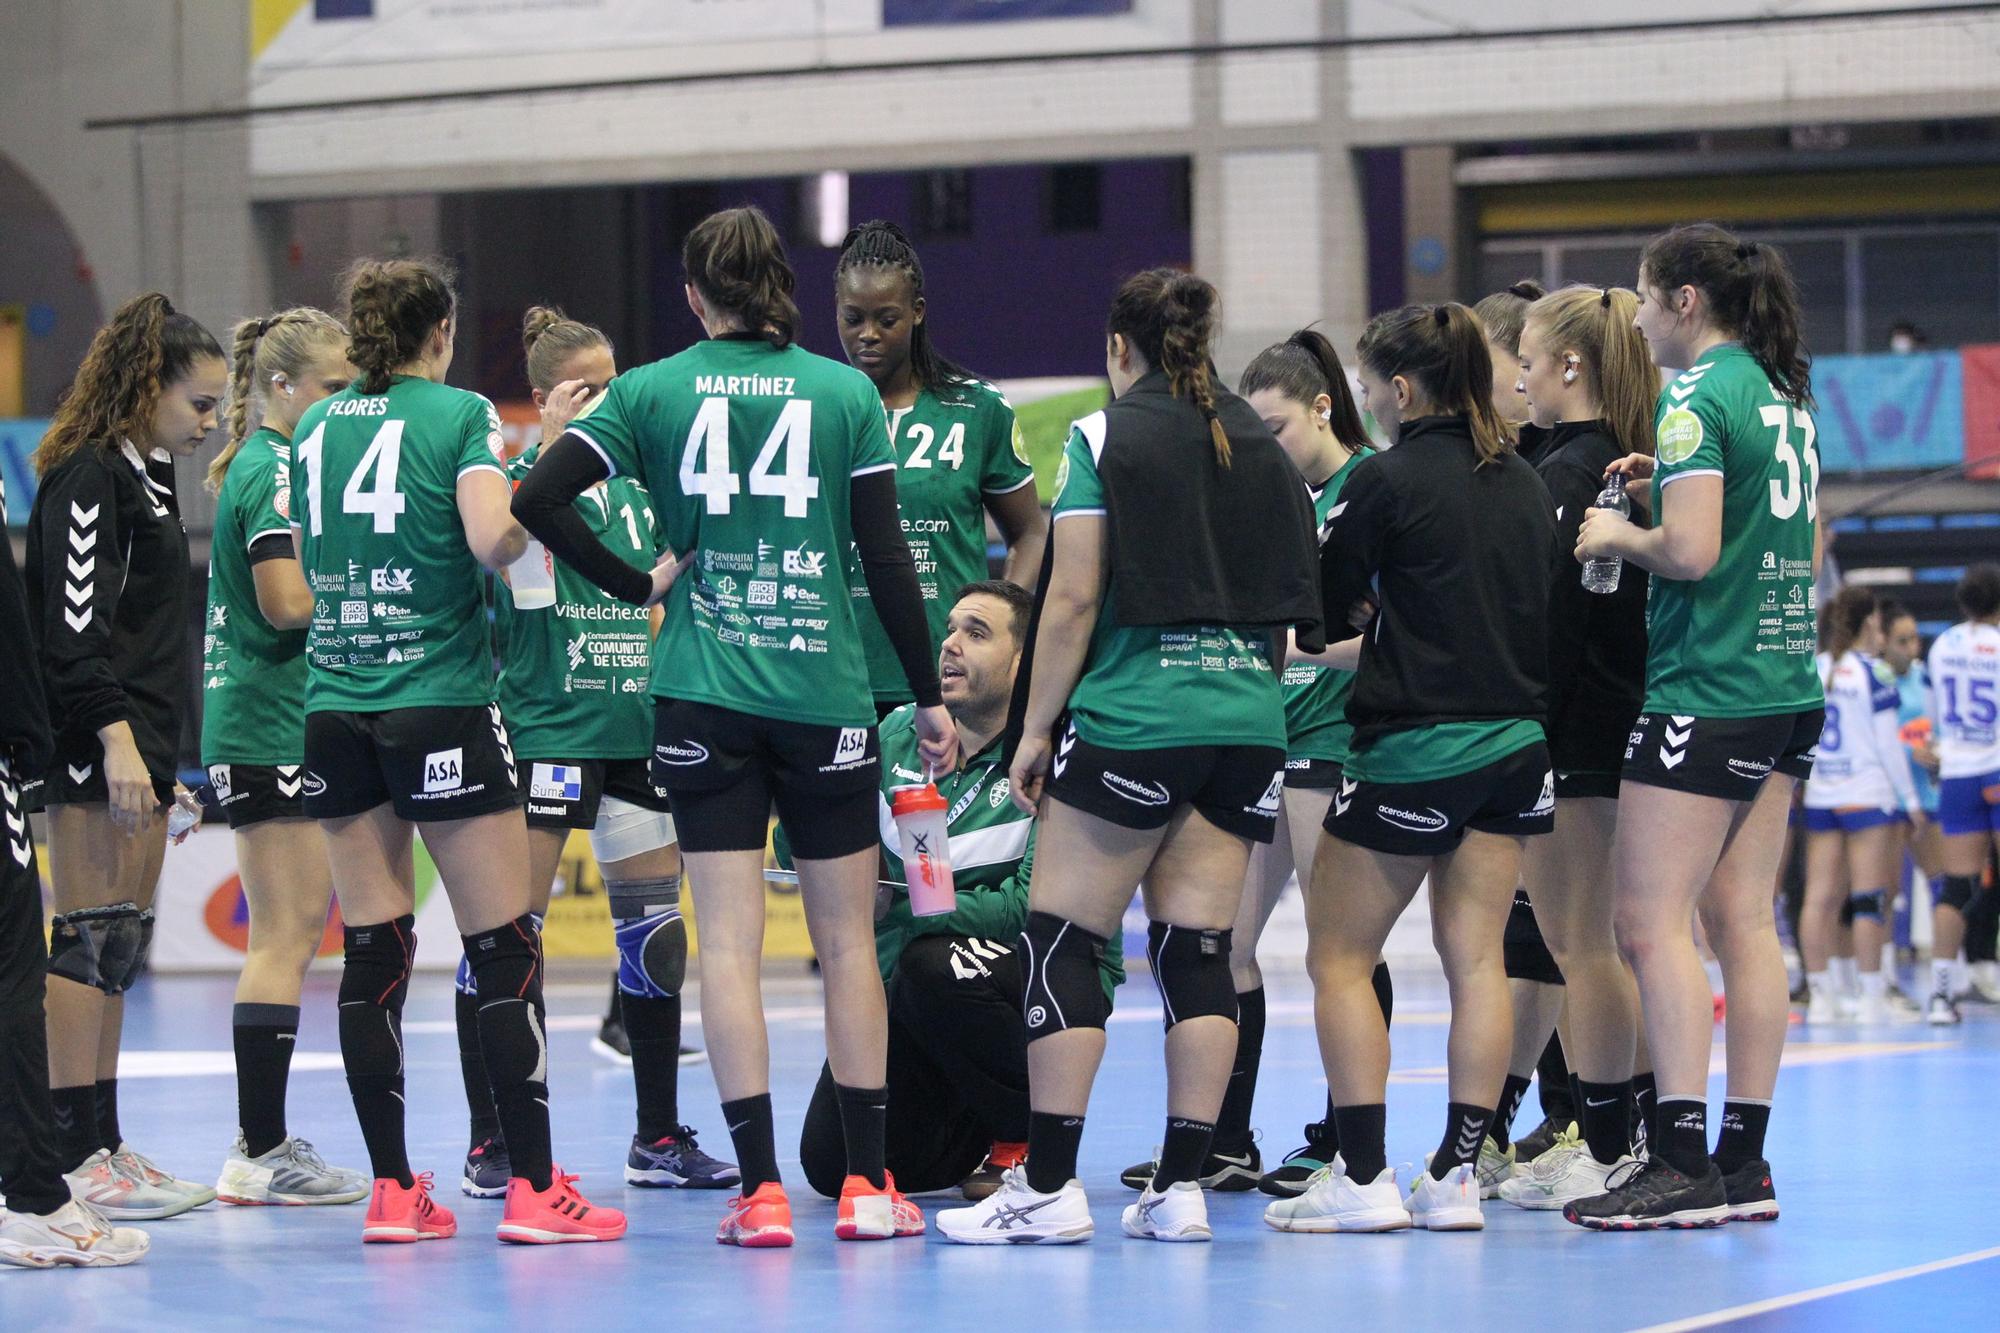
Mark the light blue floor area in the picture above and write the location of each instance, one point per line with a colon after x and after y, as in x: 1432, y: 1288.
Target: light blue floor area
x: 1866, y: 1128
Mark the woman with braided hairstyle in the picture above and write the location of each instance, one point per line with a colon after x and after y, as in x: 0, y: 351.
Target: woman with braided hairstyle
x: 958, y: 449
x: 253, y: 738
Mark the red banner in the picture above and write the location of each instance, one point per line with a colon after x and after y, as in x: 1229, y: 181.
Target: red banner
x: 1982, y: 411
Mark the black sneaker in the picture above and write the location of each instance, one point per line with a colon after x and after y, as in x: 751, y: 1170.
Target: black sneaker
x: 487, y: 1170
x: 992, y: 1172
x: 1288, y: 1179
x: 1227, y: 1173
x: 1655, y: 1197
x: 677, y: 1162
x: 1539, y: 1139
x: 1748, y: 1189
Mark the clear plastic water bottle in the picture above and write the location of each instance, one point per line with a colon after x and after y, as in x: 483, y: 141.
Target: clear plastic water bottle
x: 1601, y: 574
x: 533, y: 578
x: 919, y: 812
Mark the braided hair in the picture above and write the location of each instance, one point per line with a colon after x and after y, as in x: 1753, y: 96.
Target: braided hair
x: 880, y: 244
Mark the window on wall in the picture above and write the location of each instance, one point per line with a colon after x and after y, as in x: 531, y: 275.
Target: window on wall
x: 1943, y: 282
x: 941, y: 203
x: 1076, y: 197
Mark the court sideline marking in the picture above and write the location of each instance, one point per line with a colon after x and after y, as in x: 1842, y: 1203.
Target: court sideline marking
x: 1715, y: 1317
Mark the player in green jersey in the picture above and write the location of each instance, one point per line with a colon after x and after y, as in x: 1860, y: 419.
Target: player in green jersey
x: 959, y: 454
x: 253, y: 739
x: 572, y: 688
x: 1171, y: 763
x: 1732, y: 713
x: 398, y: 501
x: 766, y: 465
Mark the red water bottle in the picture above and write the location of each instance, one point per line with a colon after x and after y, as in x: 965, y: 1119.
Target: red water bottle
x: 919, y: 812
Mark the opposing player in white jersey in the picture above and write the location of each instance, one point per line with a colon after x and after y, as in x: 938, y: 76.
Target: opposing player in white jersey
x: 1965, y: 708
x: 1860, y: 792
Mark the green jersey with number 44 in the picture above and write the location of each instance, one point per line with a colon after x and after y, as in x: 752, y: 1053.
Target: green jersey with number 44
x: 954, y: 447
x: 573, y: 675
x: 399, y: 617
x: 1738, y: 642
x: 748, y: 452
x: 253, y: 677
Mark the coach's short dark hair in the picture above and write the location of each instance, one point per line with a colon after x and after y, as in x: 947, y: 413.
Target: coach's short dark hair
x: 1019, y: 601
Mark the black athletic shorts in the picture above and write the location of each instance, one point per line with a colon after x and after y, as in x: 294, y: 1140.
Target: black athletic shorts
x: 1724, y: 757
x: 724, y: 770
x: 252, y: 793
x: 566, y: 793
x: 431, y: 764
x: 1513, y: 796
x: 1572, y: 786
x: 1525, y: 951
x: 76, y: 777
x: 1313, y: 774
x: 1237, y: 788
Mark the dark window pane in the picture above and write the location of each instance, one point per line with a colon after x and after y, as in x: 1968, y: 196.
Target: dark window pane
x: 1945, y: 283
x: 1500, y: 267
x: 1076, y: 197
x: 941, y: 203
x: 1609, y: 265
x: 1820, y: 266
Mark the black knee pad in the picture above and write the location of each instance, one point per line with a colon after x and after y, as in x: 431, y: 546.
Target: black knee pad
x: 1955, y: 892
x: 651, y: 936
x: 1867, y: 906
x: 506, y: 967
x: 1065, y: 986
x: 103, y: 947
x: 506, y: 960
x: 377, y: 963
x: 1847, y: 910
x: 1191, y: 968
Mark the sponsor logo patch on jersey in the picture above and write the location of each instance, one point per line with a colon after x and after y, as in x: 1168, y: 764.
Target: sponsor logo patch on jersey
x: 1680, y: 434
x: 444, y: 770
x: 354, y: 613
x: 801, y: 563
x: 556, y: 782
x: 386, y: 580
x: 1002, y: 789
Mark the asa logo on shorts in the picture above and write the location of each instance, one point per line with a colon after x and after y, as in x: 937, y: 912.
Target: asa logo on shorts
x: 556, y: 782
x: 681, y: 753
x: 1267, y: 804
x: 444, y: 770
x: 1426, y: 820
x: 849, y: 751
x: 218, y: 778
x: 1546, y: 802
x: 1139, y: 793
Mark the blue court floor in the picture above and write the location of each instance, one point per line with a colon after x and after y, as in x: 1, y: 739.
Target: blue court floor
x: 1879, y: 1229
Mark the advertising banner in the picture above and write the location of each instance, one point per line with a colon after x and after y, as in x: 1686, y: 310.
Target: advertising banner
x: 18, y: 438
x: 1982, y: 411
x: 1889, y: 413
x: 903, y: 13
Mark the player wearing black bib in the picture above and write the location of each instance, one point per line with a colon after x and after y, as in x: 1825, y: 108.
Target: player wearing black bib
x: 766, y: 465
x: 1451, y: 536
x: 398, y: 500
x: 1732, y: 714
x: 107, y: 578
x: 253, y: 740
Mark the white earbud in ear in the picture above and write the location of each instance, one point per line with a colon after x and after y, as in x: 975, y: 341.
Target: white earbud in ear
x: 1326, y: 415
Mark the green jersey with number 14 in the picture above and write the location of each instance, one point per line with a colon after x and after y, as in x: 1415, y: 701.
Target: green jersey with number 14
x: 399, y: 616
x: 748, y: 452
x: 1739, y: 641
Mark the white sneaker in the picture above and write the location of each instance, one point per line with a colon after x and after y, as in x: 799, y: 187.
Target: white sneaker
x: 75, y: 1235
x: 1823, y: 1008
x: 136, y: 1164
x: 291, y: 1173
x: 1495, y: 1167
x: 1451, y: 1204
x: 1943, y: 1012
x: 1178, y: 1212
x: 1985, y: 979
x: 1566, y: 1172
x: 122, y: 1197
x: 1017, y: 1215
x: 1333, y: 1202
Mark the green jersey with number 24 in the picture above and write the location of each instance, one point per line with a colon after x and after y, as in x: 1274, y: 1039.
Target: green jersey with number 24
x: 748, y: 452
x: 1738, y: 642
x: 399, y: 614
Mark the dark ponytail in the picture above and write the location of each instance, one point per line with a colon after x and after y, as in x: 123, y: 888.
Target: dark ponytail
x: 393, y: 307
x: 1303, y: 367
x: 1169, y: 318
x: 879, y: 244
x: 1750, y: 293
x: 736, y: 260
x: 1441, y: 350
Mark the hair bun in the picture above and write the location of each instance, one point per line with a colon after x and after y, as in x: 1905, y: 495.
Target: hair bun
x: 1746, y: 249
x: 539, y: 320
x: 1528, y: 290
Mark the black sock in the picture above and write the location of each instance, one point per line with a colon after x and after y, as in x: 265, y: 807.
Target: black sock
x: 1501, y: 1125
x: 1232, y: 1126
x: 1741, y: 1138
x: 1645, y: 1094
x: 76, y: 1123
x: 1328, y: 1137
x: 374, y: 981
x: 484, y: 1119
x: 1607, y: 1119
x: 614, y: 1011
x: 1052, y: 1144
x: 109, y: 1136
x: 507, y: 970
x: 1183, y: 1151
x: 864, y: 1119
x: 1364, y: 1140
x: 1681, y: 1135
x: 653, y: 1027
x: 1385, y: 991
x: 1464, y: 1127
x: 266, y: 1035
x: 749, y: 1121
x: 1552, y: 1075
x: 1575, y: 1097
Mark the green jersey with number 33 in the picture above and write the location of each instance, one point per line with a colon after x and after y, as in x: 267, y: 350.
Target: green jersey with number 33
x: 953, y: 448
x: 399, y: 617
x: 748, y: 452
x: 1738, y: 642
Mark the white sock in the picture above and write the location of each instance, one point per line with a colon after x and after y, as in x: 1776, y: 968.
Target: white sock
x: 1845, y: 972
x: 1959, y: 973
x: 1888, y: 957
x: 1943, y: 977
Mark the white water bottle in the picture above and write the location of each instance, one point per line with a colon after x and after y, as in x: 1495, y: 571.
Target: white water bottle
x: 533, y: 578
x: 1601, y: 573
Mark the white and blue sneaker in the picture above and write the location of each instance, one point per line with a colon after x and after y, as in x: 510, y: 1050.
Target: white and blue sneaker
x: 1178, y: 1212
x: 1333, y: 1202
x: 1017, y: 1215
x: 677, y: 1162
x: 291, y: 1173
